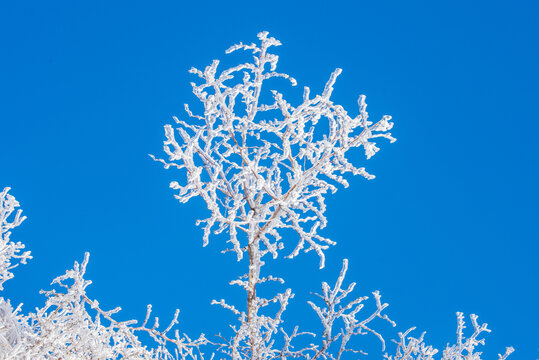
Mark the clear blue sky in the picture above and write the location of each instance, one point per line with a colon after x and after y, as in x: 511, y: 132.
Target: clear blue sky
x: 449, y: 224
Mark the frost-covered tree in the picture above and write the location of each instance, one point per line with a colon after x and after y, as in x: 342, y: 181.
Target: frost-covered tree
x: 263, y: 167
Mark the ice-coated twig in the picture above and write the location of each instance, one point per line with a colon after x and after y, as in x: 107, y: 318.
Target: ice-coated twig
x: 64, y: 326
x: 9, y: 250
x: 411, y: 348
x: 333, y: 311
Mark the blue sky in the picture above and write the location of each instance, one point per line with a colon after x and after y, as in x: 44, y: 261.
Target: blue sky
x: 449, y: 224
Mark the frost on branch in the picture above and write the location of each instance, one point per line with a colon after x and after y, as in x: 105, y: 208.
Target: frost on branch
x: 411, y: 348
x: 72, y: 326
x: 64, y: 325
x: 262, y: 166
x: 14, y: 330
x: 334, y: 310
x: 338, y: 315
x: 8, y: 249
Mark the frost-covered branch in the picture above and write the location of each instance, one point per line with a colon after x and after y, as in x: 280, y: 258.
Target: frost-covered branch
x: 411, y: 348
x: 261, y: 167
x: 9, y: 250
x: 71, y: 325
x: 335, y: 310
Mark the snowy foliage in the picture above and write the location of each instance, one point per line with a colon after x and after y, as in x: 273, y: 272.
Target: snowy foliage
x: 263, y: 167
